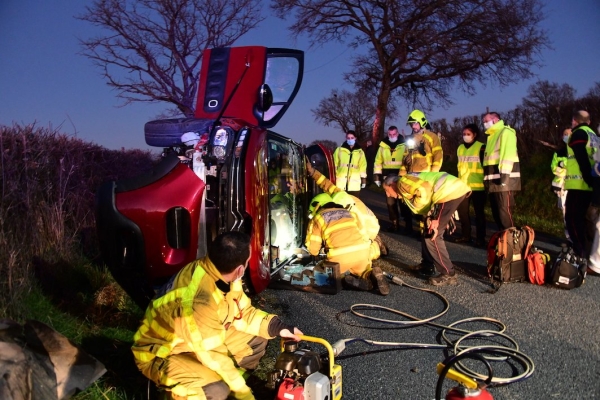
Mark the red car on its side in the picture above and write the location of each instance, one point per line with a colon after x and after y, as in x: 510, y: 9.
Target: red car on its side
x: 238, y: 175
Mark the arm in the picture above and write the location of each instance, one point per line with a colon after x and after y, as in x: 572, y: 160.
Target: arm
x: 508, y: 144
x: 314, y: 241
x: 362, y: 167
x: 577, y: 143
x: 325, y: 184
x: 437, y: 154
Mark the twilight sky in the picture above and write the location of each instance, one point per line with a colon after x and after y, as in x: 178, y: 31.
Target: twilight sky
x: 45, y: 81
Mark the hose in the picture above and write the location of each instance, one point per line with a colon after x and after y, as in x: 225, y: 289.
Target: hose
x: 484, y: 353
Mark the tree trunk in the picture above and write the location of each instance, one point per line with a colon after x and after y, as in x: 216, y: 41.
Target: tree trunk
x: 382, y: 100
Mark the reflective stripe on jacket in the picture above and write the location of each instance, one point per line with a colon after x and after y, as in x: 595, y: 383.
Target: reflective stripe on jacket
x: 470, y: 169
x: 192, y: 316
x: 558, y: 182
x: 421, y: 191
x: 350, y: 167
x: 388, y: 158
x: 368, y: 221
x: 573, y: 178
x: 501, y: 160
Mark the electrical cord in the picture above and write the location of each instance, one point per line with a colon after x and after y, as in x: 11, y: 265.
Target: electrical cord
x: 484, y: 353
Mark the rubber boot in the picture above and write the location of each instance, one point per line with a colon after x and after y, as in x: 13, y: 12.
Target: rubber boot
x: 395, y: 227
x: 383, y: 250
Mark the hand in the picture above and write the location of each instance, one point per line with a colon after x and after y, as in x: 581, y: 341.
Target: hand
x: 378, y: 183
x: 285, y: 333
x: 433, y: 227
x: 362, y: 185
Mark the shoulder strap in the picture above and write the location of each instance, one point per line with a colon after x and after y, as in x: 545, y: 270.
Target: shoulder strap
x: 530, y: 238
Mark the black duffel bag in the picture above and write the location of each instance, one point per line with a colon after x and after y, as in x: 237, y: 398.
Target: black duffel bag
x: 569, y: 270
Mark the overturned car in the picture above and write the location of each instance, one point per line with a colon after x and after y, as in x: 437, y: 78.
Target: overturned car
x: 221, y: 170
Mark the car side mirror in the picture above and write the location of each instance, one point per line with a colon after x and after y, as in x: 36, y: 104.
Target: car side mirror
x: 265, y: 98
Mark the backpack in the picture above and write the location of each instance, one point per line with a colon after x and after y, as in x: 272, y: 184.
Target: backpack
x: 507, y: 253
x: 568, y: 271
x: 536, y: 266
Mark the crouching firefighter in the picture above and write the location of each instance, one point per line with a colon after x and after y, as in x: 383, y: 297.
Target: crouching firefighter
x: 341, y: 234
x: 437, y: 196
x: 368, y: 220
x: 200, y: 334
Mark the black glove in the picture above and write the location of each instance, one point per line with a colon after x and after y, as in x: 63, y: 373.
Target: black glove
x: 421, y: 148
x: 276, y: 325
x: 504, y: 179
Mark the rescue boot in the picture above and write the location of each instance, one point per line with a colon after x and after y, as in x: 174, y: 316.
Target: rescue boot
x: 380, y: 281
x: 354, y: 282
x: 444, y: 279
x: 395, y: 227
x: 425, y: 271
x: 382, y: 247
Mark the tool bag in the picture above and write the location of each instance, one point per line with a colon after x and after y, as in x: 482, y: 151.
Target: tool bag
x: 507, y: 254
x: 569, y: 270
x: 537, y: 261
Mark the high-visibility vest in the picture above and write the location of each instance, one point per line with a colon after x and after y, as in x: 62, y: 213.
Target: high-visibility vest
x: 388, y: 158
x: 171, y: 323
x: 421, y: 191
x: 470, y: 169
x: 558, y: 182
x: 350, y: 167
x: 574, y: 179
x: 501, y: 158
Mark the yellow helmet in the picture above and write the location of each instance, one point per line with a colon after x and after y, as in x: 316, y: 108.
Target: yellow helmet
x: 343, y: 199
x: 317, y: 202
x: 417, y: 116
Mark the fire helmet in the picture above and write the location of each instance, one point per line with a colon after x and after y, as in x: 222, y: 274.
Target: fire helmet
x: 317, y: 202
x: 417, y: 116
x: 343, y: 199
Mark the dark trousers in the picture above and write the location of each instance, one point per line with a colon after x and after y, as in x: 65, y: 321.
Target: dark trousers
x: 576, y: 207
x: 434, y: 252
x: 503, y: 205
x: 477, y: 198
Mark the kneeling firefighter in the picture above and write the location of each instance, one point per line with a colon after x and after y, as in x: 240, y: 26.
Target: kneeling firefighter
x: 368, y: 220
x: 437, y: 196
x: 341, y: 234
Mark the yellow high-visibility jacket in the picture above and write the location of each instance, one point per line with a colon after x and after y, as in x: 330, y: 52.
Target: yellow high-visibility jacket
x: 192, y: 315
x: 574, y: 177
x: 431, y: 161
x: 559, y: 169
x: 368, y: 220
x: 421, y: 191
x: 469, y: 165
x: 339, y: 232
x: 387, y: 158
x: 502, y: 170
x: 350, y: 167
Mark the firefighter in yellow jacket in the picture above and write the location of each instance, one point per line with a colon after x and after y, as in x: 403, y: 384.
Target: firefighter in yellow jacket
x: 436, y: 195
x: 340, y: 233
x: 368, y: 220
x: 201, y: 333
x: 350, y: 165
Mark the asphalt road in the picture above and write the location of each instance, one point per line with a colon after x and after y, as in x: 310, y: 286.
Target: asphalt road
x: 556, y: 328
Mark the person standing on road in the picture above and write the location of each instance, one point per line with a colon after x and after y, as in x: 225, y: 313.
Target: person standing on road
x: 435, y: 195
x: 201, y: 333
x: 470, y: 170
x: 350, y: 165
x: 388, y: 161
x: 424, y: 154
x: 578, y: 181
x: 559, y: 169
x: 502, y: 170
x: 340, y: 233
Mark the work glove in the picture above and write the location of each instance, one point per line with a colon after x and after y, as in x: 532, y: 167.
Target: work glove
x: 504, y: 179
x: 362, y: 185
x: 378, y: 183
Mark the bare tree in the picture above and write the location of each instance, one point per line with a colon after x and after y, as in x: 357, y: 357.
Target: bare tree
x: 328, y: 144
x: 422, y: 49
x: 349, y: 111
x: 152, y: 49
x: 546, y: 102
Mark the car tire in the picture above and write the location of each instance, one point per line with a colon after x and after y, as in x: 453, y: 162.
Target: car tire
x: 167, y: 132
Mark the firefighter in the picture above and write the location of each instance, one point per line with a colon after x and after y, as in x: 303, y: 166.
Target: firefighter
x: 388, y: 161
x: 501, y: 168
x: 200, y: 334
x: 350, y: 165
x: 435, y: 195
x: 368, y: 220
x: 340, y: 232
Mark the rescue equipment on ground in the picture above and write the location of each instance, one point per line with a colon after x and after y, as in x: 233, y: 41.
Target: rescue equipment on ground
x: 569, y: 270
x: 507, y: 253
x: 537, y: 262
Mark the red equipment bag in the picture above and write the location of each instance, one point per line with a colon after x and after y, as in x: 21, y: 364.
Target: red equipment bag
x: 536, y: 266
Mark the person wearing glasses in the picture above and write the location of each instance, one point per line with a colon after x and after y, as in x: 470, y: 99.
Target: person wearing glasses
x: 201, y: 335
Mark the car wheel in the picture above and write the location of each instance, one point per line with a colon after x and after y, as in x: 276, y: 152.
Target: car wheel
x: 167, y: 132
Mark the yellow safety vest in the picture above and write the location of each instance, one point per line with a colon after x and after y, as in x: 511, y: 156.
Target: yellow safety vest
x: 350, y: 167
x: 386, y: 158
x: 501, y: 158
x: 574, y: 179
x: 558, y: 182
x: 470, y: 169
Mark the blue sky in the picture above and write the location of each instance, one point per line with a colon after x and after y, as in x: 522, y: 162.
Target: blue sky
x: 44, y: 80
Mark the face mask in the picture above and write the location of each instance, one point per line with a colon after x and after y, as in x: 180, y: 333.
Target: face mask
x: 488, y: 125
x: 351, y: 142
x: 393, y: 139
x: 468, y: 139
x: 565, y: 139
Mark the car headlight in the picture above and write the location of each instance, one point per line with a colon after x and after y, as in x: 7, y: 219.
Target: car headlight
x: 220, y: 143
